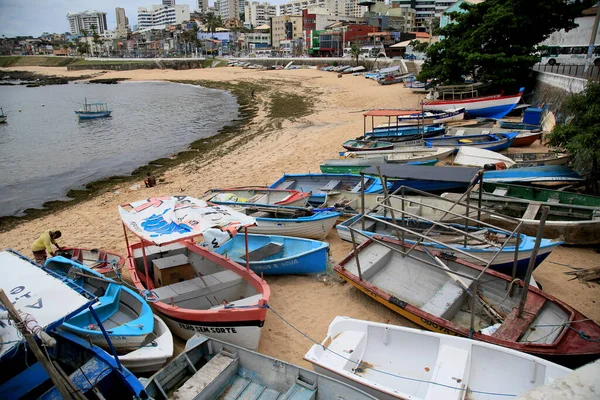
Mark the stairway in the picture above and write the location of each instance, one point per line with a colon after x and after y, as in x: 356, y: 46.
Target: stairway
x: 411, y: 68
x: 245, y: 389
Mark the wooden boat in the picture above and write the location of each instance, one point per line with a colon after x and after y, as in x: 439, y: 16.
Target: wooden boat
x: 153, y: 353
x: 492, y: 142
x: 485, y: 248
x: 94, y: 373
x: 93, y: 110
x: 355, y: 165
x: 125, y: 314
x: 367, y: 145
x: 194, y: 290
x: 474, y: 157
x: 536, y: 194
x: 104, y: 262
x: 3, y: 117
x: 47, y: 299
x: 539, y: 159
x: 400, y: 153
x: 209, y: 369
x: 277, y: 255
x: 435, y: 298
x: 480, y: 128
x: 526, y: 138
x: 405, y: 132
x: 394, y: 362
x: 432, y: 117
x: 257, y: 195
x: 574, y: 225
x: 518, y: 125
x: 543, y: 174
x: 496, y: 106
x: 289, y: 221
x: 321, y: 184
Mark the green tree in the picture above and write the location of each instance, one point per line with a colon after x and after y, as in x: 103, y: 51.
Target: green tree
x: 355, y: 52
x: 212, y: 22
x: 83, y: 48
x: 496, y: 40
x: 581, y: 134
x: 421, y: 47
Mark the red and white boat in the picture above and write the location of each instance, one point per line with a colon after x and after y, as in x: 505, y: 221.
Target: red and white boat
x: 257, y: 195
x: 101, y: 261
x: 496, y: 106
x: 193, y: 289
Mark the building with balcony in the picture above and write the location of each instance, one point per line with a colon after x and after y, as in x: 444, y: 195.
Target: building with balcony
x: 256, y: 14
x: 122, y: 28
x: 159, y: 15
x: 228, y: 9
x: 426, y: 10
x: 286, y: 27
x: 87, y: 21
x: 295, y: 7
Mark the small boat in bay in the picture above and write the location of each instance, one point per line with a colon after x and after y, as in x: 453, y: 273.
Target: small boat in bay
x: 211, y: 369
x: 495, y: 106
x: 319, y: 185
x: 277, y: 255
x: 433, y: 289
x: 394, y: 362
x: 257, y: 195
x: 93, y: 110
x: 492, y: 142
x: 474, y: 157
x: 3, y: 117
x: 124, y: 313
x: 367, y: 145
x: 485, y: 247
x: 539, y: 159
x: 193, y: 289
x: 104, y: 262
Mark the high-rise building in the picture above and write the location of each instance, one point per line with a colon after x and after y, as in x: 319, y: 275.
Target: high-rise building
x: 203, y: 6
x: 426, y: 10
x: 122, y: 23
x: 168, y: 3
x: 286, y: 27
x: 87, y: 20
x: 295, y: 7
x: 228, y: 9
x: 163, y: 15
x: 257, y: 14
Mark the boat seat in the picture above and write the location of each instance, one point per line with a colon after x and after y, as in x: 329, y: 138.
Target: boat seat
x: 443, y: 299
x: 340, y: 345
x: 356, y: 189
x: 287, y: 184
x: 513, y: 327
x: 246, y: 301
x: 460, y: 132
x: 260, y: 214
x: 268, y: 250
x: 449, y: 370
x: 331, y: 185
x: 300, y: 391
x: 501, y: 191
x: 531, y: 211
x: 554, y: 199
x: 210, y: 374
x: 595, y: 215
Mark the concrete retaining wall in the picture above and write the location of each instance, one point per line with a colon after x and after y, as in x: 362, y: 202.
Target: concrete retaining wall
x: 553, y: 89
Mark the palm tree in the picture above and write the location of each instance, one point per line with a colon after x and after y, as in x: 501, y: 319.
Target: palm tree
x: 355, y: 52
x: 212, y: 22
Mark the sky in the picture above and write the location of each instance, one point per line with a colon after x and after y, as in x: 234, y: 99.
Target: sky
x: 32, y: 17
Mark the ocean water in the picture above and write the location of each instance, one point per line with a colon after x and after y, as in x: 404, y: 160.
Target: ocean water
x: 45, y: 150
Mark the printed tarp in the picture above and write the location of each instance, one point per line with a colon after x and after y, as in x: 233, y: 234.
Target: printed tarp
x: 162, y: 220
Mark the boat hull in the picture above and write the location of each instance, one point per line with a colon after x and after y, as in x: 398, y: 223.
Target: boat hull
x: 502, y: 143
x: 101, y: 261
x: 151, y: 357
x: 303, y: 228
x: 524, y: 140
x: 85, y: 115
x: 482, y: 107
x: 355, y: 169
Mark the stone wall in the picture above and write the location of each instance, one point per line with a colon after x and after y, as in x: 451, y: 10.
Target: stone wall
x: 150, y: 64
x: 553, y: 89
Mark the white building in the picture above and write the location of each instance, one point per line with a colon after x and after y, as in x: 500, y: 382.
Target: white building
x: 163, y: 15
x: 295, y: 7
x: 257, y: 14
x: 168, y: 3
x: 202, y: 6
x: 426, y: 10
x: 228, y: 9
x: 87, y: 20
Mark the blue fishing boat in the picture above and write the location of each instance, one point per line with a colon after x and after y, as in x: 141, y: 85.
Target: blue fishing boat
x: 399, y: 131
x: 543, y: 174
x: 492, y: 141
x: 480, y: 248
x: 93, y: 110
x: 125, y: 314
x: 277, y: 255
x: 47, y: 299
x: 321, y: 184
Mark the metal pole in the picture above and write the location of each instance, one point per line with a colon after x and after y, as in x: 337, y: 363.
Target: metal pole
x: 129, y: 255
x: 534, y: 252
x: 403, y: 217
x: 480, y: 197
x: 473, y: 303
x: 108, y: 341
x: 362, y: 199
x: 467, y: 218
x: 516, y: 261
x: 356, y: 253
x: 592, y: 40
x: 247, y: 252
x: 145, y: 265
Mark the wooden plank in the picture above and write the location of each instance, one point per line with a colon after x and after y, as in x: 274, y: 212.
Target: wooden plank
x: 513, y: 327
x: 531, y: 211
x: 268, y: 250
x: 331, y: 185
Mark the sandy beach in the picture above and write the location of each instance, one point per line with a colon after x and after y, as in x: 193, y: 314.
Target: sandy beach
x: 298, y: 146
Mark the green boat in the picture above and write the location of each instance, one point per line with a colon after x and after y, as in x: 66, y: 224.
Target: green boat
x: 351, y: 168
x: 541, y: 195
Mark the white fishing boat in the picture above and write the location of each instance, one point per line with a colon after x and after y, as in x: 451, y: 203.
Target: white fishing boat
x: 153, y: 353
x: 257, y: 195
x: 475, y: 157
x: 392, y: 362
x: 398, y: 153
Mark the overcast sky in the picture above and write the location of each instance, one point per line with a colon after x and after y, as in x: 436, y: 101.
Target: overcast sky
x: 32, y: 17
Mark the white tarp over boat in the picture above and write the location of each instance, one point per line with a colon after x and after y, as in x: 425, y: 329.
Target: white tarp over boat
x: 162, y: 220
x: 35, y: 292
x: 389, y: 70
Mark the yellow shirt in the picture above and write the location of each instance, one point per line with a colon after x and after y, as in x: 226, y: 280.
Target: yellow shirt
x: 43, y: 242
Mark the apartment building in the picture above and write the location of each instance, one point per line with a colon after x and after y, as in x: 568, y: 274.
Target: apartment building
x: 202, y: 6
x: 426, y: 10
x: 162, y: 15
x: 285, y: 27
x: 228, y: 9
x: 87, y: 20
x: 333, y: 7
x: 122, y: 28
x: 257, y: 14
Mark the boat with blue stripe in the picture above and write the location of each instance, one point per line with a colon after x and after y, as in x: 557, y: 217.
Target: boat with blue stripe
x: 542, y: 174
x: 93, y: 110
x: 126, y: 316
x: 491, y: 142
x: 321, y: 184
x: 399, y: 131
x: 503, y: 262
x: 495, y: 106
x: 277, y: 255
